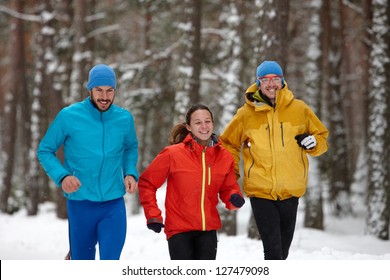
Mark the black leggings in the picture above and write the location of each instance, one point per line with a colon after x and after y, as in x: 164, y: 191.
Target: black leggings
x: 275, y: 221
x: 193, y: 245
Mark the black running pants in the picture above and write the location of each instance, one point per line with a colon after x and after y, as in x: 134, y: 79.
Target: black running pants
x: 193, y: 245
x: 275, y: 220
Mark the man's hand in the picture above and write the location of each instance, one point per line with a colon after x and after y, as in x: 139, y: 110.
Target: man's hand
x: 130, y: 184
x: 70, y: 184
x: 306, y: 141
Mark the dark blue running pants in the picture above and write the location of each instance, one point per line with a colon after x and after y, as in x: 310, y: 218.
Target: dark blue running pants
x: 92, y: 223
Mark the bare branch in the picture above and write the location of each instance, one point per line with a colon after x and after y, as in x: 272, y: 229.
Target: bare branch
x: 18, y: 15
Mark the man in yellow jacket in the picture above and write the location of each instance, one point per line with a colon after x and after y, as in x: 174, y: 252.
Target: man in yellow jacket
x: 274, y: 132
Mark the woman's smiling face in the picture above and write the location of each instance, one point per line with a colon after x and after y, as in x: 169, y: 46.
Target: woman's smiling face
x: 201, y: 126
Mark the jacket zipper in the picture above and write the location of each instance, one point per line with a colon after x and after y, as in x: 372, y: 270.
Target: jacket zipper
x: 101, y: 166
x: 203, y: 189
x: 281, y: 131
x: 253, y: 160
x: 209, y: 169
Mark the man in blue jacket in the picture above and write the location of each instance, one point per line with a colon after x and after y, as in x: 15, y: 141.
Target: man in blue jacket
x: 101, y: 154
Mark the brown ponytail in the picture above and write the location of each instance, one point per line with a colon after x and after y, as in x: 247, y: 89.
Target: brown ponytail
x: 178, y: 133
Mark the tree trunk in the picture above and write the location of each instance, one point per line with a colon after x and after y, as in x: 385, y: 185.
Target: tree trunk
x: 340, y: 175
x: 378, y: 218
x: 15, y: 89
x: 314, y: 215
x: 273, y: 31
x: 195, y: 50
x: 80, y: 59
x: 188, y: 92
x: 41, y: 103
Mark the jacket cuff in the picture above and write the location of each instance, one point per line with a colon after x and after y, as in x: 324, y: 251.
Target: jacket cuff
x: 154, y: 220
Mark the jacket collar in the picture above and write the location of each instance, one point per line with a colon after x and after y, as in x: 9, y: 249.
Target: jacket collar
x: 283, y: 97
x: 94, y: 111
x: 191, y: 140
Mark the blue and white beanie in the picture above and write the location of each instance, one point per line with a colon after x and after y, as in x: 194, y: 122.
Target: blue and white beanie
x: 101, y: 75
x: 268, y: 67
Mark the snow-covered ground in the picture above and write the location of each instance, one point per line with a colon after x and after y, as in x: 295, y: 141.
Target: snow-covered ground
x: 44, y: 237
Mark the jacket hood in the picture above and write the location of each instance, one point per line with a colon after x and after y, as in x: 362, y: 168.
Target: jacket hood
x: 254, y: 97
x: 213, y: 141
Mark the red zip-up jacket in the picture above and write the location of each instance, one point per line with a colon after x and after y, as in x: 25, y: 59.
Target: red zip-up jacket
x: 197, y: 176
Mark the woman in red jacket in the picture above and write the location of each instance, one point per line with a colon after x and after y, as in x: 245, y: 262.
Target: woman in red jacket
x: 198, y: 171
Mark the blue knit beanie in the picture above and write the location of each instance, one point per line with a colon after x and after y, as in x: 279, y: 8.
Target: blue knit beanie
x: 101, y: 75
x: 268, y: 67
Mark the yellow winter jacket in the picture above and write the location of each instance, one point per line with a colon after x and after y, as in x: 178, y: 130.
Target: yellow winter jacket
x: 275, y: 167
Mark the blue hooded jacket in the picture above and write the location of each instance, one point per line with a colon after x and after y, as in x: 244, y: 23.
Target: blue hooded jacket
x: 100, y: 149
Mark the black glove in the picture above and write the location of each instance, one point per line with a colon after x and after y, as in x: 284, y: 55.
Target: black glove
x: 237, y: 200
x: 156, y: 227
x: 306, y: 141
